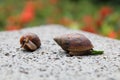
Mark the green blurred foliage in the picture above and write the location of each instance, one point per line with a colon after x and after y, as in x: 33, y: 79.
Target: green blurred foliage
x: 66, y: 12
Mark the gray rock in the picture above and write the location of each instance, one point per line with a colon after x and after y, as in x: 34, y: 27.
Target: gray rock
x: 50, y: 62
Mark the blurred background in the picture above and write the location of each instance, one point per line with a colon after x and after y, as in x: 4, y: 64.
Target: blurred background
x: 96, y: 16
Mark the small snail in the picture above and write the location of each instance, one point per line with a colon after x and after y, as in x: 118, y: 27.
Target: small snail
x: 30, y: 41
x: 76, y: 44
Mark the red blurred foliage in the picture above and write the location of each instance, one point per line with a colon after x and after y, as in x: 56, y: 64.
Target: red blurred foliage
x: 56, y: 11
x: 12, y: 28
x: 65, y: 21
x: 89, y: 28
x: 10, y: 8
x: 11, y: 19
x: 39, y: 5
x: 1, y: 8
x: 105, y: 11
x: 112, y: 34
x: 29, y: 6
x: 26, y: 17
x: 89, y: 24
x: 28, y: 13
x: 50, y: 20
x: 99, y: 22
x: 53, y: 1
x: 88, y: 20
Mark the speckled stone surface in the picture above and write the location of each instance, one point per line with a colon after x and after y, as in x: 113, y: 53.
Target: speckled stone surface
x: 50, y: 62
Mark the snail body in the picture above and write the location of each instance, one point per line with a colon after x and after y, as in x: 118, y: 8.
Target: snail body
x: 30, y: 42
x: 74, y: 43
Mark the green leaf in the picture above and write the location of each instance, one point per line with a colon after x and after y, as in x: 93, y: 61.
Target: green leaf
x: 94, y: 52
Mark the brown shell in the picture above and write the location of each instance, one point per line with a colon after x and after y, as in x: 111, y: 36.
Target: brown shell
x: 32, y: 37
x: 74, y: 42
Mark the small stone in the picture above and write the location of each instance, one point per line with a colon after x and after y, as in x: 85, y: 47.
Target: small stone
x: 7, y: 54
x: 42, y: 53
x: 24, y: 72
x: 54, y: 52
x: 13, y: 56
x: 56, y: 58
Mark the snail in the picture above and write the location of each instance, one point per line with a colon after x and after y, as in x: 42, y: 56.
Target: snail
x: 30, y: 42
x: 76, y: 44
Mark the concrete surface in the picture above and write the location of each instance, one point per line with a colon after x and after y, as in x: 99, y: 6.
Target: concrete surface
x: 51, y: 63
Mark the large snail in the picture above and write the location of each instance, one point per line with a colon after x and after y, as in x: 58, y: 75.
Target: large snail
x: 76, y: 44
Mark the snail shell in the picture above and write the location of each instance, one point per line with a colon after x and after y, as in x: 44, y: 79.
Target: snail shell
x: 74, y: 43
x: 30, y: 41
